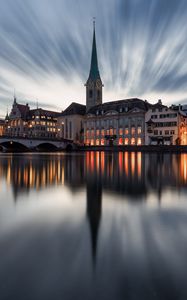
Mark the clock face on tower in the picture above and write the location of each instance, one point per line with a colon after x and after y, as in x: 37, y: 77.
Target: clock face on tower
x: 90, y: 84
x: 98, y: 83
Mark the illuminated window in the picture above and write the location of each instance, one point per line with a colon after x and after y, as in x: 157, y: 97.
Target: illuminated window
x: 97, y: 142
x: 102, y: 142
x: 92, y: 142
x: 133, y: 141
x: 102, y: 132
x: 87, y: 133
x: 120, y: 131
x: 139, y: 141
x: 92, y: 132
x: 126, y: 130
x: 120, y: 141
x: 111, y: 131
x: 108, y: 131
x: 97, y: 132
x: 139, y: 129
x: 126, y: 141
x: 132, y: 130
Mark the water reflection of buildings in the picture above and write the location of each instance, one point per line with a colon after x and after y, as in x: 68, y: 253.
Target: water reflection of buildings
x: 130, y: 174
x: 23, y: 173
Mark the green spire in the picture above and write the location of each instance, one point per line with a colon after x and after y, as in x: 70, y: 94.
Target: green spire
x: 94, y: 70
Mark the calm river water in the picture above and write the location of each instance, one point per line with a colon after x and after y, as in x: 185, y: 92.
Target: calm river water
x: 93, y: 226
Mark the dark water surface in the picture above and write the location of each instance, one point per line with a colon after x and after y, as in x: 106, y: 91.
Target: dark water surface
x: 93, y: 226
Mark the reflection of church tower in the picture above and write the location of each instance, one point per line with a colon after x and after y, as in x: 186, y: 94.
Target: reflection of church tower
x: 94, y: 207
x: 94, y: 84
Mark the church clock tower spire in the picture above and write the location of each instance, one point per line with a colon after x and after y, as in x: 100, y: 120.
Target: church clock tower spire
x: 94, y: 84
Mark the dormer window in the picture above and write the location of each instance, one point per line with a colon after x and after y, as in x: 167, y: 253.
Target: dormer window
x: 121, y: 109
x: 126, y: 109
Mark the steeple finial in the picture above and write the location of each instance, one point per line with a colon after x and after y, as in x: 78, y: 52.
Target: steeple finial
x: 94, y: 19
x: 14, y: 95
x: 7, y: 116
x: 94, y: 70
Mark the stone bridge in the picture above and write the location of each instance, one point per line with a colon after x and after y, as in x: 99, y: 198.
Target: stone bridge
x: 37, y: 144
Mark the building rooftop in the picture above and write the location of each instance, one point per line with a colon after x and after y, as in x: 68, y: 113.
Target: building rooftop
x: 74, y: 109
x: 121, y: 105
x: 24, y: 109
x: 44, y: 112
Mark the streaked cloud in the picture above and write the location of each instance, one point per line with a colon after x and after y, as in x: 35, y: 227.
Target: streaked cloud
x: 45, y: 50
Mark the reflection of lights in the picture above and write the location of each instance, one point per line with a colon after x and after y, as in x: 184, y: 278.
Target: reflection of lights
x: 87, y: 161
x: 139, y: 162
x: 133, y: 163
x: 184, y: 167
x: 92, y: 160
x: 97, y: 161
x: 8, y: 174
x: 126, y: 163
x: 120, y: 159
x: 102, y: 162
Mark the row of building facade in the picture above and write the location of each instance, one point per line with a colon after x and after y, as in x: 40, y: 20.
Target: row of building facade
x: 124, y: 122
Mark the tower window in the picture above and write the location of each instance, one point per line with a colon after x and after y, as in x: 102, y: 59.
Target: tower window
x: 90, y: 93
x: 98, y: 94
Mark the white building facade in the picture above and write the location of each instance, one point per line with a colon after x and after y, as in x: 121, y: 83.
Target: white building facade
x: 165, y: 126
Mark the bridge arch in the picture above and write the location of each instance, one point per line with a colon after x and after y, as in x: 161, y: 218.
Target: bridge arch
x: 13, y: 146
x: 69, y: 147
x: 46, y: 146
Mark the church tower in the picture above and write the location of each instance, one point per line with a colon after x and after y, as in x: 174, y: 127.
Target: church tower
x: 94, y: 84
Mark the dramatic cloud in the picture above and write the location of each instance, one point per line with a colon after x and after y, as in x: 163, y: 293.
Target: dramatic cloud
x: 45, y: 50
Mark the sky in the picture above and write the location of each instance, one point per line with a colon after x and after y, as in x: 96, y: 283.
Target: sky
x: 45, y: 50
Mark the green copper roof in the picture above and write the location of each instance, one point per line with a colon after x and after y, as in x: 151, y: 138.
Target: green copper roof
x: 94, y: 70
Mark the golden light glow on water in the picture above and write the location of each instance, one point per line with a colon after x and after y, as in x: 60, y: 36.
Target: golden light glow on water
x: 114, y: 169
x: 133, y: 163
x: 102, y: 162
x: 120, y: 161
x: 126, y: 163
x: 183, y: 167
x: 139, y: 163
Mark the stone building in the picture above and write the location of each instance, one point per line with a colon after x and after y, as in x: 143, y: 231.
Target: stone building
x: 119, y: 122
x: 70, y: 122
x: 25, y: 122
x: 2, y: 123
x: 123, y: 122
x: 165, y: 125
